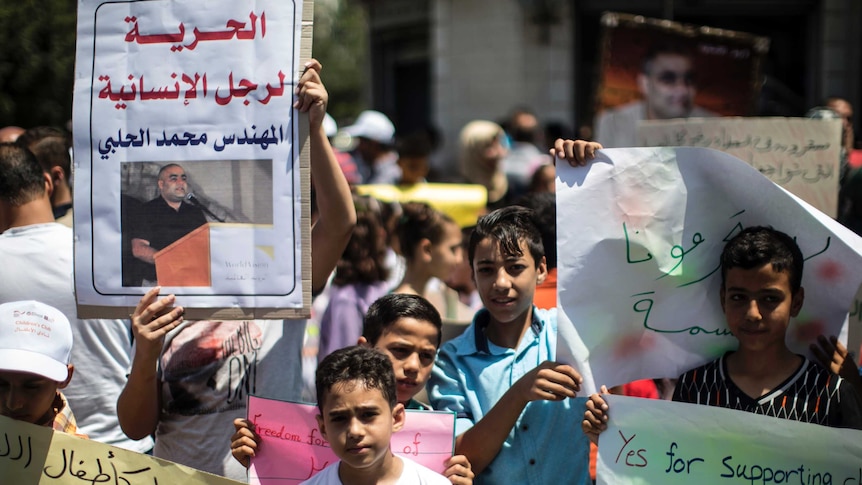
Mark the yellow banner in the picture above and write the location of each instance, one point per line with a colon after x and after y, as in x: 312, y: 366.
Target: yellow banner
x: 31, y: 455
x: 462, y: 202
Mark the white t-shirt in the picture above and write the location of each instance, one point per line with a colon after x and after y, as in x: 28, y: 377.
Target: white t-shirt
x: 36, y: 261
x: 412, y: 474
x: 207, y: 370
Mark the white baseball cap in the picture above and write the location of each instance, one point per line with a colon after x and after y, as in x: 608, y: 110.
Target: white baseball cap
x: 35, y: 338
x: 330, y: 127
x: 373, y: 125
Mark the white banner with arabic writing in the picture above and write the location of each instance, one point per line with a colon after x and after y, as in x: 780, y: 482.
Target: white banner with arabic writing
x: 800, y: 154
x: 639, y: 235
x: 208, y: 86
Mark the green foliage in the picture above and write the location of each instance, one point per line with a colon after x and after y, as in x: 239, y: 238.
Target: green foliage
x: 37, y: 57
x: 341, y: 45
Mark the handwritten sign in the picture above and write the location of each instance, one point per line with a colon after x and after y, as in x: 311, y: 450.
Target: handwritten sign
x: 464, y: 203
x: 655, y: 441
x: 802, y: 155
x: 639, y: 278
x: 292, y: 449
x: 31, y: 454
x: 208, y: 86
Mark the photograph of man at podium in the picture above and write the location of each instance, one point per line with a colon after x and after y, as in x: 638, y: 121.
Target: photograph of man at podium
x: 171, y: 212
x: 163, y: 220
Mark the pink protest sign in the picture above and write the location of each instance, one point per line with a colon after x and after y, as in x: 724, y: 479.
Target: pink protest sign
x: 292, y: 449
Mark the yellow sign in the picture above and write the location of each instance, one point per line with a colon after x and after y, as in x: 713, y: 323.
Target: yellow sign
x: 464, y: 203
x: 31, y: 455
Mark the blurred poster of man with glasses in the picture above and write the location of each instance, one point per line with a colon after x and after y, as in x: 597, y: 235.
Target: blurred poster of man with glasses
x: 667, y: 83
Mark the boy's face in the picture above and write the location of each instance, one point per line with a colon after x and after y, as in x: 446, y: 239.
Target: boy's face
x: 758, y: 304
x: 446, y: 255
x: 411, y: 345
x: 25, y: 396
x: 506, y: 282
x: 413, y: 169
x: 358, y: 423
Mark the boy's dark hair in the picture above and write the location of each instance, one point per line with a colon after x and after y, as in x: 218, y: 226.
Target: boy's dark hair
x: 21, y: 177
x: 420, y: 221
x: 362, y: 365
x: 760, y: 245
x: 509, y: 226
x: 384, y: 312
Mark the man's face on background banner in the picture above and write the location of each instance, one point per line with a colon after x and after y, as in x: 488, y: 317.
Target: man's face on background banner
x: 668, y: 87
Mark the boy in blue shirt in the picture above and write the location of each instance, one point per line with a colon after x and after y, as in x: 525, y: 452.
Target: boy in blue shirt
x: 518, y: 418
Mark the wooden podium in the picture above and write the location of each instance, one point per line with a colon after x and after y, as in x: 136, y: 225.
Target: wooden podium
x: 186, y: 262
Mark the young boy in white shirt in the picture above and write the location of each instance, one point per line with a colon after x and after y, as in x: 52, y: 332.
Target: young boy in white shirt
x: 359, y: 411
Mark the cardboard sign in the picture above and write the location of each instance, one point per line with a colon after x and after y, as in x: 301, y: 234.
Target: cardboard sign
x: 31, y: 455
x: 802, y: 155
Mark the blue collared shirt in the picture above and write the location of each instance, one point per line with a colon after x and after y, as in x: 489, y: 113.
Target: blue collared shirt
x: 471, y: 374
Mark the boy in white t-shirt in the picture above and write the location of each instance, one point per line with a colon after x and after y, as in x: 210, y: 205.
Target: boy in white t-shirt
x: 407, y: 329
x: 359, y: 411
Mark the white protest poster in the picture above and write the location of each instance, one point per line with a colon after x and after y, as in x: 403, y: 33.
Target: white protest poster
x: 639, y: 234
x: 31, y: 455
x: 188, y: 171
x: 802, y: 155
x: 656, y: 441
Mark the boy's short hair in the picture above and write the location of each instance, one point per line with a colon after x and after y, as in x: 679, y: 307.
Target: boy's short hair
x: 384, y: 312
x: 35, y: 338
x: 509, y: 226
x: 759, y: 245
x: 367, y: 367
